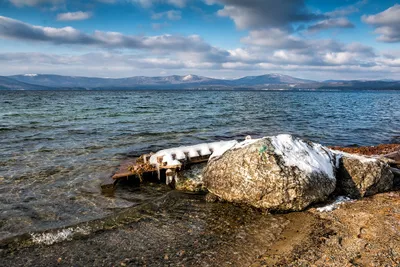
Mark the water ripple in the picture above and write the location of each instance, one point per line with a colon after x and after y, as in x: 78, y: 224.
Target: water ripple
x: 56, y: 146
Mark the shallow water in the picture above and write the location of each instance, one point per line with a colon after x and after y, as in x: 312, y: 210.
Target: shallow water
x: 56, y: 146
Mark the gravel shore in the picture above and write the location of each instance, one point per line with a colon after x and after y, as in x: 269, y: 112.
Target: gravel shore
x: 183, y: 230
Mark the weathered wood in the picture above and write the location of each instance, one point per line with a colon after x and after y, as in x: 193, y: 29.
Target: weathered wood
x: 123, y: 170
x: 122, y: 175
x: 141, y: 166
x: 108, y: 184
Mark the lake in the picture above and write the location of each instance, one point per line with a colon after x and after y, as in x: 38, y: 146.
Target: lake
x: 55, y: 146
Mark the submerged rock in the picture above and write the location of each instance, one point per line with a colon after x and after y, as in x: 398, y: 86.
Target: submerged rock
x: 359, y: 176
x: 191, y: 179
x: 280, y: 173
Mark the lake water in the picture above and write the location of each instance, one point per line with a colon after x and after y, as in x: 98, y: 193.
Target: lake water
x: 56, y: 146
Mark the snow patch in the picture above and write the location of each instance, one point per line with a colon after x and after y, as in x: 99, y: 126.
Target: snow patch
x: 188, y: 77
x: 363, y: 159
x: 62, y: 235
x: 231, y: 146
x: 220, y: 150
x: 307, y: 157
x: 338, y: 201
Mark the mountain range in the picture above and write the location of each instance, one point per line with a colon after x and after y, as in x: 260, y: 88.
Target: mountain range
x: 268, y: 81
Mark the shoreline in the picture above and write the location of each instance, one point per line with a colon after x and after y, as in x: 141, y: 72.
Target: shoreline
x: 181, y: 228
x: 358, y: 232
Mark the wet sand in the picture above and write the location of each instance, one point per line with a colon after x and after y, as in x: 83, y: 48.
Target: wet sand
x: 178, y: 230
x: 183, y: 230
x: 361, y: 233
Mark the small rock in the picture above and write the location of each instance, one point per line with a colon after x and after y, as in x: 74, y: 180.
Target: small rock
x: 191, y: 179
x: 211, y: 198
x: 360, y: 176
x: 180, y: 253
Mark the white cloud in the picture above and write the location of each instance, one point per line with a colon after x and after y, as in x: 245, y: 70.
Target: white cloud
x: 177, y: 3
x: 170, y: 14
x: 258, y: 14
x: 79, y: 15
x: 392, y: 62
x: 271, y: 44
x: 110, y: 64
x: 330, y: 24
x: 159, y: 26
x: 150, y: 3
x: 274, y: 37
x: 14, y: 29
x: 291, y: 57
x: 22, y: 3
x: 387, y: 24
x: 347, y: 10
x: 340, y: 58
x: 262, y: 48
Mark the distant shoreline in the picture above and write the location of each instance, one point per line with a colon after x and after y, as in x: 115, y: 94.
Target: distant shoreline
x: 188, y: 82
x: 207, y: 89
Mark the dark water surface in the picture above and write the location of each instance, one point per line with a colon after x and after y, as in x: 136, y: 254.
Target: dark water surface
x: 55, y: 146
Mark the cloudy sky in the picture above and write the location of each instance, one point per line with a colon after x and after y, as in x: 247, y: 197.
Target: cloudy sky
x: 330, y: 39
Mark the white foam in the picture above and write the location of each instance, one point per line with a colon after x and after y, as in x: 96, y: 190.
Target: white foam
x: 308, y: 158
x: 30, y: 75
x: 62, y: 235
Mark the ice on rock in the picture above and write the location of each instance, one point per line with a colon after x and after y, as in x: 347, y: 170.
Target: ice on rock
x: 220, y: 148
x: 362, y: 158
x: 295, y: 152
x: 330, y: 207
x: 280, y: 173
x: 307, y: 157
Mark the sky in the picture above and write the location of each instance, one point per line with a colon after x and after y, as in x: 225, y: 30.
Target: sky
x: 320, y: 40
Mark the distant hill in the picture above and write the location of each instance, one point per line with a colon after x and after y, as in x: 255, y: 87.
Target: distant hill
x: 362, y: 84
x: 267, y: 81
x: 58, y: 81
x: 7, y: 83
x: 270, y: 79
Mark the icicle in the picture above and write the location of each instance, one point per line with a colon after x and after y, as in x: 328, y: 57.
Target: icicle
x: 168, y: 176
x: 176, y: 178
x: 158, y: 171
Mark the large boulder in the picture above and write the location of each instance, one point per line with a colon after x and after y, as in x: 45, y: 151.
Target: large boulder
x: 360, y: 176
x: 280, y: 173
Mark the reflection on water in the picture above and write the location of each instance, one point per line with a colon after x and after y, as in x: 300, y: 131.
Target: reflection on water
x: 55, y: 146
